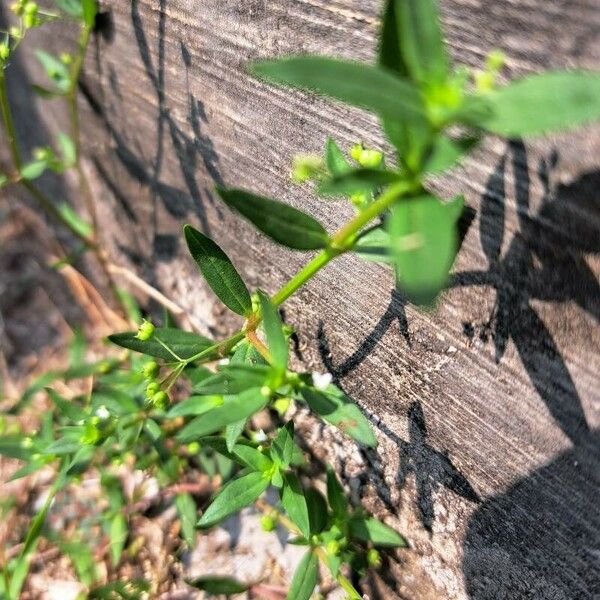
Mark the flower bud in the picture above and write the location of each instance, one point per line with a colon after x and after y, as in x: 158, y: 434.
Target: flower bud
x: 4, y: 51
x: 26, y: 443
x: 268, y: 523
x: 66, y: 58
x: 369, y: 159
x: 15, y: 32
x: 145, y: 331
x: 307, y: 167
x: 266, y: 391
x: 17, y: 8
x: 41, y: 153
x: 30, y: 8
x: 374, y: 558
x: 150, y: 370
x: 333, y: 547
x: 495, y: 60
x: 193, y: 448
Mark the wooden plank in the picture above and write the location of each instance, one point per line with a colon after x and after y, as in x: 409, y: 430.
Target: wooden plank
x: 487, y: 410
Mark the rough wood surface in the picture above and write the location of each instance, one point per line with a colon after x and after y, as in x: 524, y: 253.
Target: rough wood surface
x: 488, y: 410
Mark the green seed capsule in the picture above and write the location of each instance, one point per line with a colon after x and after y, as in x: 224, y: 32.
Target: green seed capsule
x: 152, y: 388
x: 150, y: 370
x: 4, y: 51
x: 374, y: 558
x: 268, y: 523
x: 145, y: 331
x: 160, y: 400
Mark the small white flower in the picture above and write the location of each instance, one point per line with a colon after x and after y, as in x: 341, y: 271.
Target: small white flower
x: 103, y: 413
x: 260, y: 436
x: 223, y: 362
x: 321, y: 380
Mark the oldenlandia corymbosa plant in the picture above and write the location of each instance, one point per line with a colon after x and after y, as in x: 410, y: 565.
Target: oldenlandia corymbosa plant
x: 189, y: 401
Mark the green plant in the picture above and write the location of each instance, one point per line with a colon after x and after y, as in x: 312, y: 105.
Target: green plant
x: 192, y: 401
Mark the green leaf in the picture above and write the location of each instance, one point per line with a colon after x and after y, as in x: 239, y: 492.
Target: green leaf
x: 195, y: 406
x: 3, y: 180
x: 233, y: 379
x: 390, y: 55
x: 294, y: 503
x: 90, y: 8
x: 281, y: 222
x: 357, y: 180
x: 336, y: 496
x: 446, y: 153
x: 34, y: 169
x: 66, y: 408
x: 130, y: 590
x: 541, y: 104
x: 118, y: 536
x: 186, y: 509
x: 374, y: 245
x: 317, y: 510
x: 339, y: 410
x: 67, y: 149
x: 233, y: 432
x: 421, y: 41
x: 215, y: 584
x: 283, y: 446
x: 368, y: 529
x: 15, y: 447
x: 335, y: 159
x: 56, y: 70
x: 273, y: 327
x: 74, y: 220
x: 253, y: 458
x: 231, y: 411
x: 305, y: 578
x: 82, y: 559
x: 71, y: 7
x: 233, y: 497
x: 365, y: 86
x: 424, y: 242
x: 218, y: 271
x: 183, y: 344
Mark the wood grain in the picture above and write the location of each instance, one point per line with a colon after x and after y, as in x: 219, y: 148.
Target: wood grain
x: 488, y: 409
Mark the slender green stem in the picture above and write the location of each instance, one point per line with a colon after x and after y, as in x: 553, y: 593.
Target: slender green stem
x: 7, y: 119
x: 341, y: 242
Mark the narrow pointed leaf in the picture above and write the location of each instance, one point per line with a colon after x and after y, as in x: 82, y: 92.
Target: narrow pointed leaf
x: 276, y: 340
x: 336, y: 496
x: 234, y: 409
x: 183, y: 344
x: 187, y: 511
x: 368, y: 529
x: 90, y: 8
x: 294, y: 503
x: 195, y: 406
x: 252, y: 458
x: 218, y: 271
x: 281, y: 222
x: 217, y: 585
x: 365, y: 86
x: 317, y: 510
x: 335, y: 159
x: 421, y: 41
x: 545, y: 103
x: 305, y: 578
x: 233, y: 497
x: 233, y: 432
x: 283, y: 445
x: 374, y: 245
x: 339, y: 410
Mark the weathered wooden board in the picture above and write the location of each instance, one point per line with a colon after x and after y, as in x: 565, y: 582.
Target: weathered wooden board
x: 488, y: 410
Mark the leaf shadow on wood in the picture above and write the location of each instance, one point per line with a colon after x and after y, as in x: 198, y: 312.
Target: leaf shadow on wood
x: 543, y: 261
x: 132, y: 149
x: 540, y: 538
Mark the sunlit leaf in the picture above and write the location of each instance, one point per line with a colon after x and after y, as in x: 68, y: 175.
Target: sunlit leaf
x: 368, y: 529
x: 369, y: 87
x: 305, y: 578
x: 233, y: 497
x: 186, y: 509
x: 218, y: 271
x: 545, y: 103
x: 273, y: 327
x: 281, y: 222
